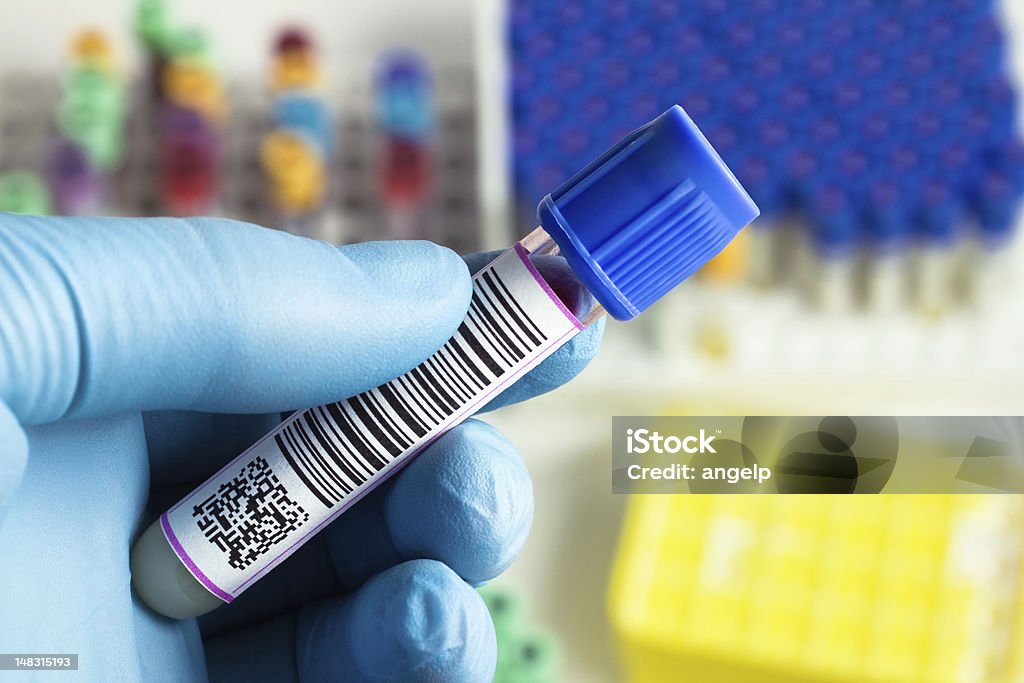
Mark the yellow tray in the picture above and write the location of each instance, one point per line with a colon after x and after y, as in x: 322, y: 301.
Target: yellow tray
x: 858, y: 589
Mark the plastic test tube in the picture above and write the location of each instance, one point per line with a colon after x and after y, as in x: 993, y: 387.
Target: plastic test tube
x: 192, y: 83
x: 306, y: 113
x: 92, y: 48
x: 937, y: 221
x: 76, y: 185
x: 404, y: 106
x: 631, y: 225
x: 296, y: 175
x: 295, y: 154
x: 404, y: 185
x: 996, y: 203
x: 152, y: 27
x: 295, y: 63
x: 763, y: 258
x: 91, y: 112
x: 834, y: 224
x: 885, y: 283
x: 406, y: 119
x: 188, y: 163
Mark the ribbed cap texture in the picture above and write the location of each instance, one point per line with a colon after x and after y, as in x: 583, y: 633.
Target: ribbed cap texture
x: 648, y: 213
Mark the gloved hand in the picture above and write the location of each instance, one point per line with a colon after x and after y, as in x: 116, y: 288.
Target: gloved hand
x: 138, y: 356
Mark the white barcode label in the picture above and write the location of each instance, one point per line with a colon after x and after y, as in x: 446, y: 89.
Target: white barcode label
x: 272, y: 498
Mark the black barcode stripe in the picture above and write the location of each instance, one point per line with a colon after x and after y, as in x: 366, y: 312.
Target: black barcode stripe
x: 287, y: 453
x: 454, y: 377
x: 474, y: 368
x: 303, y: 457
x: 476, y: 316
x: 497, y: 337
x: 478, y: 349
x: 365, y: 468
x: 479, y: 342
x: 352, y: 479
x: 447, y: 376
x: 317, y: 462
x: 525, y: 321
x: 522, y: 317
x: 427, y: 385
x: 374, y: 428
x: 297, y: 452
x: 507, y: 331
x: 463, y: 367
x: 348, y: 428
x: 302, y: 460
x: 336, y: 449
x: 422, y: 382
x: 369, y: 454
x: 409, y: 417
x: 505, y: 312
x: 373, y: 446
x: 487, y: 325
x: 399, y: 433
x: 442, y: 381
x: 437, y: 385
x: 427, y: 408
x: 500, y: 337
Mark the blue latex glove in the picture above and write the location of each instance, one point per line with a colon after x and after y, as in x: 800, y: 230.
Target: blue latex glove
x: 138, y: 356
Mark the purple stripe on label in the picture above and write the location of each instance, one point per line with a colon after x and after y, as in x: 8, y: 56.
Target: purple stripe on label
x: 187, y: 561
x: 525, y: 258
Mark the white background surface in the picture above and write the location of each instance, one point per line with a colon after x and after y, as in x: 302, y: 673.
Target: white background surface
x: 34, y: 35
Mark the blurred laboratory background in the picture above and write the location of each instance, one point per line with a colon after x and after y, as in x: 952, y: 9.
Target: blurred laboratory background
x: 882, y: 141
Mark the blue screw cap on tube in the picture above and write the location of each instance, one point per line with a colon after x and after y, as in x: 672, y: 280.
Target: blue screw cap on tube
x: 646, y: 214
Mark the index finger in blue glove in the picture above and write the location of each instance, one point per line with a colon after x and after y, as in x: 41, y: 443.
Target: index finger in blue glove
x: 175, y: 438
x: 106, y: 315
